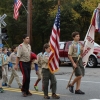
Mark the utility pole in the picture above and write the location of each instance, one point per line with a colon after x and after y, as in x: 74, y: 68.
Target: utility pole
x: 29, y: 20
x: 0, y: 33
x: 58, y: 2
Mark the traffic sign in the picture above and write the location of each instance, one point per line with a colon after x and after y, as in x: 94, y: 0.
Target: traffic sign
x: 4, y: 24
x: 2, y: 20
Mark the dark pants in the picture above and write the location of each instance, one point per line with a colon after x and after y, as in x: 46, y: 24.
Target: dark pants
x: 0, y: 72
x: 47, y: 75
x: 25, y: 69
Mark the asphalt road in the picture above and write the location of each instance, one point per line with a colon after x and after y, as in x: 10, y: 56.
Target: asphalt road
x: 90, y: 85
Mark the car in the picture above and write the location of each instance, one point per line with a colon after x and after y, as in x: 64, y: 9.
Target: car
x: 93, y: 61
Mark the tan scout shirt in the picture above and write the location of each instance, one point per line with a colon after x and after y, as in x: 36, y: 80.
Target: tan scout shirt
x: 5, y: 62
x: 37, y: 61
x: 39, y: 58
x: 12, y: 57
x: 44, y: 61
x: 24, y: 51
x: 73, y: 49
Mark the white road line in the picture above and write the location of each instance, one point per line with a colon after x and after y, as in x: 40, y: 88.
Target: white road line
x: 68, y: 80
x: 94, y: 99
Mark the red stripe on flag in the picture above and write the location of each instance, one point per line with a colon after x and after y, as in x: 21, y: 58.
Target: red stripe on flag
x: 17, y: 5
x: 54, y: 44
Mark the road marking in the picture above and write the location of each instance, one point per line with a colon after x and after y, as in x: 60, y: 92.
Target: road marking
x: 94, y: 99
x: 68, y: 80
x: 33, y: 92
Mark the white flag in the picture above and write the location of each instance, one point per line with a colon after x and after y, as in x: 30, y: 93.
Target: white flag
x: 89, y: 39
x: 89, y: 45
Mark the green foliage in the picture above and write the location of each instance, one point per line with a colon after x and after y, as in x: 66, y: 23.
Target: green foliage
x: 75, y: 16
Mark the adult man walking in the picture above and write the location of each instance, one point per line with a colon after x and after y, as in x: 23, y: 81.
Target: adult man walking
x: 24, y: 61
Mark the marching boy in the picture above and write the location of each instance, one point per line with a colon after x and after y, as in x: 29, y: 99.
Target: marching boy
x: 38, y: 70
x: 47, y: 75
x: 1, y: 68
x: 75, y: 50
x: 5, y: 67
x: 12, y: 60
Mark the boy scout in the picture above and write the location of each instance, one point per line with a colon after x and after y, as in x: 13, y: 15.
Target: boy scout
x: 75, y: 50
x: 5, y: 67
x: 12, y: 60
x: 47, y: 75
x: 1, y: 68
x: 38, y: 70
x: 24, y: 61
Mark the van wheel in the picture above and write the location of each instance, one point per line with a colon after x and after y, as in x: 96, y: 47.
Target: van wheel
x: 92, y: 62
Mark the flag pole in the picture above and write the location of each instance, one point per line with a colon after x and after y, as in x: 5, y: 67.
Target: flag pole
x: 24, y: 7
x: 58, y: 2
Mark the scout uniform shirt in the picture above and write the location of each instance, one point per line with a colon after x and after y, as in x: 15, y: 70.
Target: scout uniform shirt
x: 44, y: 60
x: 37, y: 61
x: 1, y: 59
x: 39, y: 57
x: 73, y: 49
x: 12, y: 57
x: 5, y: 59
x: 24, y: 52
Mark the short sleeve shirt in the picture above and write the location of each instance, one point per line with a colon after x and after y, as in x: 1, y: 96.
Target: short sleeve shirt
x: 39, y: 56
x: 44, y: 60
x: 1, y: 59
x: 73, y: 49
x: 24, y: 52
x: 12, y: 57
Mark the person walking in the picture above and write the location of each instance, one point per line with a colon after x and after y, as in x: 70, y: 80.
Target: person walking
x: 5, y: 67
x: 38, y: 69
x: 47, y: 75
x: 1, y: 69
x: 12, y: 60
x: 74, y: 53
x: 24, y: 61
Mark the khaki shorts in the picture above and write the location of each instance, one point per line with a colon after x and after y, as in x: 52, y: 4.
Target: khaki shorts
x: 79, y: 71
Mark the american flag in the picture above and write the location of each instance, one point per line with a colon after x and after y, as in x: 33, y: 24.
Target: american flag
x: 17, y: 5
x: 54, y: 44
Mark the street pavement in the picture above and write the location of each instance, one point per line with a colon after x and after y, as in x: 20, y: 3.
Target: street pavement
x: 90, y: 85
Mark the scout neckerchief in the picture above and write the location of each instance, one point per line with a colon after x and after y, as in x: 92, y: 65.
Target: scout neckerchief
x: 15, y: 53
x: 5, y: 57
x: 78, y: 49
x: 46, y: 53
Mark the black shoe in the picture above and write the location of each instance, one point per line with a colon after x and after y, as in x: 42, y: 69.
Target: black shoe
x: 54, y: 96
x: 5, y: 84
x: 79, y: 92
x: 29, y: 93
x: 46, y: 97
x: 24, y: 95
x: 71, y: 89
